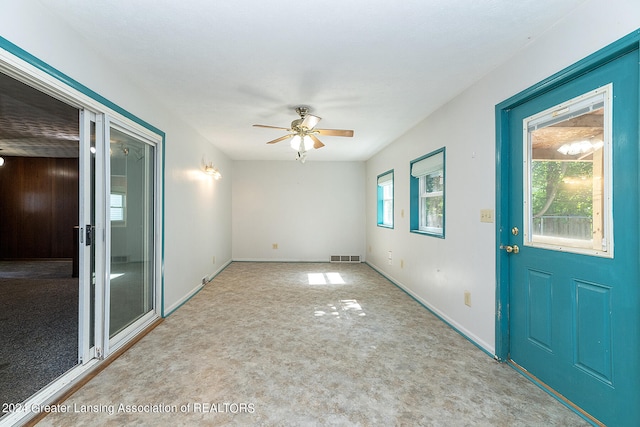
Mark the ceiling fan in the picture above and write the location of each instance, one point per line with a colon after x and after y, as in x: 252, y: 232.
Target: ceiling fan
x: 303, y: 132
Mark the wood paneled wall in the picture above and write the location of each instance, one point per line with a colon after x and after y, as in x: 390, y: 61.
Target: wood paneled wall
x: 38, y: 207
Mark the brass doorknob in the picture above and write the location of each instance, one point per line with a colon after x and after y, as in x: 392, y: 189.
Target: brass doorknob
x: 512, y: 249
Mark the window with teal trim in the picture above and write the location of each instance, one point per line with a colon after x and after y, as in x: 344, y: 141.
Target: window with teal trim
x: 385, y: 199
x: 427, y: 201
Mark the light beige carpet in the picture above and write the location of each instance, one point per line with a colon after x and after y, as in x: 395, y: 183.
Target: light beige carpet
x: 292, y: 344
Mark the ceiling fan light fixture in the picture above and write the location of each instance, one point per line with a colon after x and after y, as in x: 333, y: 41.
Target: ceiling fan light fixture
x: 295, y: 142
x: 301, y: 142
x: 302, y: 133
x: 308, y: 143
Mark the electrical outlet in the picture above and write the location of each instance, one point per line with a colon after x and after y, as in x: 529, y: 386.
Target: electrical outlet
x: 401, y: 263
x: 486, y: 215
x: 213, y: 260
x: 274, y: 246
x: 467, y: 298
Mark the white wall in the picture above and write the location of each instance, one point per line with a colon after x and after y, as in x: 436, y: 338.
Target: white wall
x: 197, y: 211
x: 320, y: 209
x: 312, y: 210
x: 437, y: 271
x: 197, y: 216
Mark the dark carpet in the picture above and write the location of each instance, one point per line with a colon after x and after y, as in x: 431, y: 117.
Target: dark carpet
x: 38, y: 325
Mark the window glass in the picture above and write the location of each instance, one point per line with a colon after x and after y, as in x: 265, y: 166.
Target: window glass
x: 427, y: 194
x: 118, y: 197
x: 385, y: 199
x: 117, y: 207
x: 567, y: 205
x: 432, y: 201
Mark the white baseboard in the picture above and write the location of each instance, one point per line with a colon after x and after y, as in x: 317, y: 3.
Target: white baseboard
x: 279, y: 260
x: 169, y: 310
x: 481, y: 344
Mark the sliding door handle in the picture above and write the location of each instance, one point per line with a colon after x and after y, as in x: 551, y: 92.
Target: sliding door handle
x: 89, y: 235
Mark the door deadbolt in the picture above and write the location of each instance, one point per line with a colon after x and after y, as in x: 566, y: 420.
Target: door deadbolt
x: 515, y: 231
x: 512, y: 249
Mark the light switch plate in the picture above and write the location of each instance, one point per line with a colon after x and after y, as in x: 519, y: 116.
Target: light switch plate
x: 486, y: 215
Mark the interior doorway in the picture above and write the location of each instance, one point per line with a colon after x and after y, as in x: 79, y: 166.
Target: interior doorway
x: 39, y: 284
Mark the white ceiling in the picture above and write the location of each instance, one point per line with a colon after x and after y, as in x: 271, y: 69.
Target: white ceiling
x: 375, y: 66
x: 33, y: 124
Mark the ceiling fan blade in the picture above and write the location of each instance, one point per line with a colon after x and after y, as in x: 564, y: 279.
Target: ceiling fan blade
x: 310, y: 121
x: 316, y: 142
x: 334, y: 132
x: 282, y: 138
x: 270, y: 127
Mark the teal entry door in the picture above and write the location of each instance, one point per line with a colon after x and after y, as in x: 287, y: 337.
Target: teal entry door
x: 570, y: 240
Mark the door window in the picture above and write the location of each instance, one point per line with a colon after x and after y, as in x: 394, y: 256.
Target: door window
x: 567, y: 203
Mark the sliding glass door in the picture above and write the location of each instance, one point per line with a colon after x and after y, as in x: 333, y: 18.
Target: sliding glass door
x: 131, y: 230
x: 83, y: 187
x: 119, y: 261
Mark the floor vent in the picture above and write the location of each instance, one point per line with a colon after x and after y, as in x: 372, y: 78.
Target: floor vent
x: 120, y: 259
x: 345, y: 258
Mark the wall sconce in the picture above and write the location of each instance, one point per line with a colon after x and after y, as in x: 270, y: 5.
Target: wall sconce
x: 209, y: 169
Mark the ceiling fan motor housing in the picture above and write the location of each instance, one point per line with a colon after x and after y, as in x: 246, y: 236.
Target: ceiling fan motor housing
x: 295, y: 125
x: 302, y: 111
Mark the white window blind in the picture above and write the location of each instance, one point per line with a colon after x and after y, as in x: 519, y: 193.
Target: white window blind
x: 117, y: 207
x: 428, y: 165
x: 386, y: 179
x: 564, y: 112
